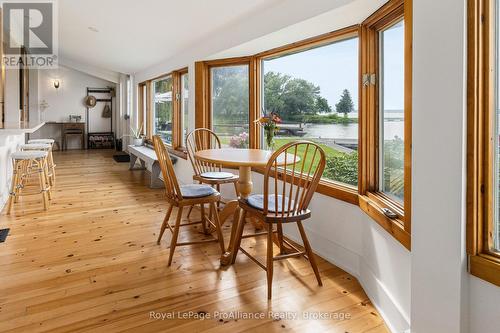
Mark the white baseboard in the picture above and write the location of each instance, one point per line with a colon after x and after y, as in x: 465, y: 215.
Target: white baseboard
x: 353, y: 263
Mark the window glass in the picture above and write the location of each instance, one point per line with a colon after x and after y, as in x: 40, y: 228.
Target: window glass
x: 184, y: 106
x: 162, y: 108
x: 230, y: 108
x: 496, y: 185
x: 315, y: 93
x: 391, y: 112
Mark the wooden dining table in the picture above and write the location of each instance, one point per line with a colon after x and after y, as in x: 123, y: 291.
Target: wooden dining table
x: 244, y: 160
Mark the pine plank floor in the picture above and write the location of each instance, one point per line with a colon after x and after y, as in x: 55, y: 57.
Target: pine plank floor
x: 91, y: 264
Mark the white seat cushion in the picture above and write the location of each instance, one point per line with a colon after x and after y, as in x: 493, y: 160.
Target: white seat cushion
x: 35, y: 146
x: 197, y: 191
x: 48, y: 141
x: 217, y: 175
x: 257, y: 201
x: 29, y: 155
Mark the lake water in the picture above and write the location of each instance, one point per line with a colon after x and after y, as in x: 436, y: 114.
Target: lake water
x: 394, y: 126
x: 350, y: 131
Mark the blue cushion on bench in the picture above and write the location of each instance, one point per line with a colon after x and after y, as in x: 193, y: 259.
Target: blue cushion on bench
x: 257, y: 201
x: 217, y: 175
x: 197, y: 191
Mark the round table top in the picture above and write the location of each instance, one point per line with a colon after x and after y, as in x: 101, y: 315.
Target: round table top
x: 232, y: 157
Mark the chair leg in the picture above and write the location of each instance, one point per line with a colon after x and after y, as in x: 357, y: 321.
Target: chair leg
x: 269, y: 264
x: 236, y: 190
x: 280, y: 237
x: 203, y: 220
x: 216, y: 221
x: 239, y: 233
x: 190, y: 210
x: 164, y: 224
x: 13, y: 187
x: 218, y: 202
x: 47, y: 178
x: 173, y: 241
x: 21, y: 179
x: 310, y: 254
x: 42, y: 183
x: 52, y: 166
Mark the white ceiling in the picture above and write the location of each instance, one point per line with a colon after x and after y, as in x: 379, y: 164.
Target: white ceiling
x: 134, y: 34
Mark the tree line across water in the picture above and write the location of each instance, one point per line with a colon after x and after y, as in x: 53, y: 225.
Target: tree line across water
x: 294, y: 99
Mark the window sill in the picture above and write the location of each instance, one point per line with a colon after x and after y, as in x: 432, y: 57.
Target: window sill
x: 485, y: 267
x: 393, y: 226
x: 179, y: 152
x: 334, y: 190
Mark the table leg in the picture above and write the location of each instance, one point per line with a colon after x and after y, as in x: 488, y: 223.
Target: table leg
x: 245, y: 186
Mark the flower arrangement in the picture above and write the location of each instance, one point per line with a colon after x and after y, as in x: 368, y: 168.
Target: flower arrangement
x: 239, y: 141
x: 270, y: 124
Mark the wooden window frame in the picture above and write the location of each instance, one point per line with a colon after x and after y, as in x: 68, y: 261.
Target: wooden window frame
x: 366, y: 195
x: 483, y: 262
x: 141, y: 97
x: 371, y: 200
x: 180, y: 124
x: 203, y: 92
x: 176, y: 147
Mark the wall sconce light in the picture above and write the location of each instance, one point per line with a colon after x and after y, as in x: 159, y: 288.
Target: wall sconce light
x: 56, y: 84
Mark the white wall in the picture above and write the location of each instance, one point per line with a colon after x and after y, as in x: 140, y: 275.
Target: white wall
x: 33, y: 95
x: 68, y: 100
x: 12, y: 95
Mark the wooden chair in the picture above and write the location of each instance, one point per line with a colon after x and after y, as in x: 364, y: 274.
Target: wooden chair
x: 285, y: 199
x: 185, y: 196
x: 207, y: 173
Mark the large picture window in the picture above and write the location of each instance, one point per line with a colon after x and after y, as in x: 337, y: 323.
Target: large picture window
x: 315, y: 93
x: 391, y: 110
x: 184, y: 100
x: 230, y: 104
x: 483, y: 140
x: 163, y: 108
x: 163, y: 104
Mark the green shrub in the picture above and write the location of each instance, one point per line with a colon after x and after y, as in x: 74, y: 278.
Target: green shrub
x: 342, y: 167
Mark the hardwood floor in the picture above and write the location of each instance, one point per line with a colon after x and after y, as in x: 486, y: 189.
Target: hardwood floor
x: 91, y: 263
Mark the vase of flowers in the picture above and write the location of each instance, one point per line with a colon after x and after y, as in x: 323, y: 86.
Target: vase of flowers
x: 270, y: 124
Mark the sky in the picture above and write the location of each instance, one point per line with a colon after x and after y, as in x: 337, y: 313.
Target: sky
x: 335, y: 67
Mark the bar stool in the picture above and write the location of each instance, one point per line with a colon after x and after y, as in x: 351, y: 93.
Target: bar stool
x: 51, y: 142
x: 44, y: 145
x: 26, y: 163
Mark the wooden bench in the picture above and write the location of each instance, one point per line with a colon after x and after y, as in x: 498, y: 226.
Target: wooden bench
x: 149, y: 161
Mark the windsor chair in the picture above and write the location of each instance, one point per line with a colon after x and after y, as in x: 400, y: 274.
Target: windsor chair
x: 185, y: 196
x: 291, y: 177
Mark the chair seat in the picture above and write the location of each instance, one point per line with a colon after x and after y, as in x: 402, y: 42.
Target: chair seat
x: 46, y: 141
x: 197, y: 191
x: 217, y: 175
x: 29, y: 155
x: 35, y: 146
x: 257, y: 201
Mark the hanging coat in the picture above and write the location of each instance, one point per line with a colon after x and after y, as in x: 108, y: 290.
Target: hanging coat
x: 106, y: 112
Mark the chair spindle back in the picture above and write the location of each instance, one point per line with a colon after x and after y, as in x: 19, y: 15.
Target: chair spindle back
x: 172, y: 188
x: 300, y: 165
x: 202, y: 139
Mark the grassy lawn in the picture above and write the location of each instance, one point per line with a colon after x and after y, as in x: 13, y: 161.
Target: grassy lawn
x: 329, y: 151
